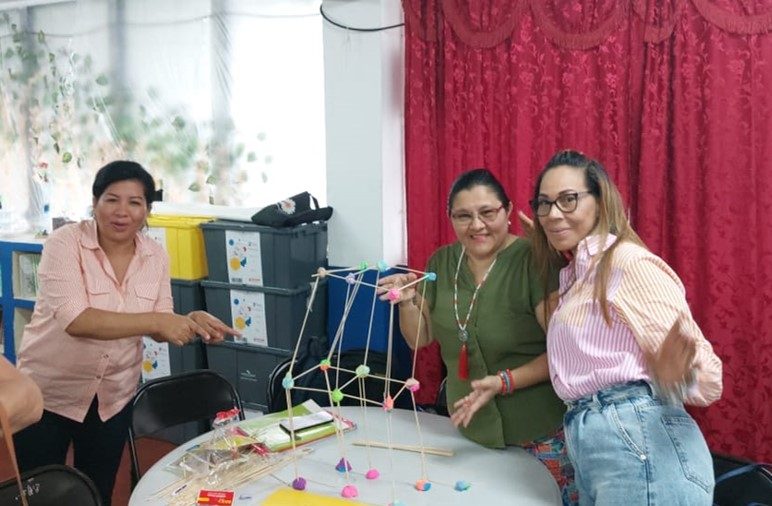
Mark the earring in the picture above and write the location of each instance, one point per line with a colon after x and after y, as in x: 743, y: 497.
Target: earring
x: 509, y: 222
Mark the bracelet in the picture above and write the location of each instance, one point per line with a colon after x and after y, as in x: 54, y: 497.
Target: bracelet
x: 507, y: 382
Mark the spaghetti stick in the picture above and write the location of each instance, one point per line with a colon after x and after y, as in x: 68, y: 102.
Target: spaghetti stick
x: 407, y: 448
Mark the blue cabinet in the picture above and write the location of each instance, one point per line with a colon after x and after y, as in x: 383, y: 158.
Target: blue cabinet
x: 19, y: 258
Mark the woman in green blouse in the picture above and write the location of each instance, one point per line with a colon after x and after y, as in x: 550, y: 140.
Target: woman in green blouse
x: 486, y: 309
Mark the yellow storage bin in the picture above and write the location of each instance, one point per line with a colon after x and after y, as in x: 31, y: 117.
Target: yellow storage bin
x: 184, y: 243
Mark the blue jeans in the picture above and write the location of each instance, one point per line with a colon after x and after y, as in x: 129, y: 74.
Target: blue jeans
x: 629, y: 448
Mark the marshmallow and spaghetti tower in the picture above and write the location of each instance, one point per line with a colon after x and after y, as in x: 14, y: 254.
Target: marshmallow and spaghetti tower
x: 354, y: 388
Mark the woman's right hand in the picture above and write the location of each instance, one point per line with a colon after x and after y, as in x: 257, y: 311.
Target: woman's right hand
x: 397, y: 281
x: 483, y: 390
x: 177, y: 329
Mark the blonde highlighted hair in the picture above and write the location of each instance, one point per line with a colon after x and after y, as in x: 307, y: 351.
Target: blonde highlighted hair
x: 611, y: 219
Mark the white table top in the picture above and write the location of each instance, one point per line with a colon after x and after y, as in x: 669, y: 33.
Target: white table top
x: 510, y: 477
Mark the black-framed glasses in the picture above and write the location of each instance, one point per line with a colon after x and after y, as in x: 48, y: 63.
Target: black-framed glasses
x: 566, y: 202
x: 465, y: 218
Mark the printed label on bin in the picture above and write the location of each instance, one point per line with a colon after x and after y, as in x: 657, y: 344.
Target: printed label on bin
x: 158, y: 234
x: 248, y: 317
x: 155, y: 359
x: 245, y: 265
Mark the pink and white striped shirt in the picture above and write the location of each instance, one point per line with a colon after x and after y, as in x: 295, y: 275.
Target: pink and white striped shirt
x: 645, y: 297
x: 75, y: 274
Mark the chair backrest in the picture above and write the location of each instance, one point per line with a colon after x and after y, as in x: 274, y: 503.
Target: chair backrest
x: 54, y: 485
x: 176, y: 399
x: 441, y: 404
x: 740, y: 482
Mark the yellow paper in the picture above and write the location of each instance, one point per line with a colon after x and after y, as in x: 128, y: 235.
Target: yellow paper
x: 290, y: 497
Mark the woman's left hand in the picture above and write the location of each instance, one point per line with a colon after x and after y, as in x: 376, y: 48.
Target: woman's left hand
x: 483, y: 390
x: 216, y: 328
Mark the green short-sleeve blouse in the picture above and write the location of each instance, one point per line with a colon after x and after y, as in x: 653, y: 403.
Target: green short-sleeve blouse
x: 503, y: 333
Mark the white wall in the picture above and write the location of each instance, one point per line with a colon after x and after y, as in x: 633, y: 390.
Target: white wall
x: 364, y: 127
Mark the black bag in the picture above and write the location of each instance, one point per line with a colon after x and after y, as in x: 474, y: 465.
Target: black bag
x: 740, y: 482
x: 291, y: 212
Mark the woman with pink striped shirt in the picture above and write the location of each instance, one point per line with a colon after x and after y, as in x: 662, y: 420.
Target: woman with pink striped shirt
x: 103, y: 285
x: 624, y: 351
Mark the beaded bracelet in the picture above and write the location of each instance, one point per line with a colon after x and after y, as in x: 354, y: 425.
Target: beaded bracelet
x: 507, y: 382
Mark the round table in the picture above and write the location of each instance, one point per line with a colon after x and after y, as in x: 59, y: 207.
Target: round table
x: 510, y: 476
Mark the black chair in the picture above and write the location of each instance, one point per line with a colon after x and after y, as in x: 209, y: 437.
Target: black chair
x: 441, y: 404
x: 173, y: 400
x: 741, y: 482
x: 53, y: 485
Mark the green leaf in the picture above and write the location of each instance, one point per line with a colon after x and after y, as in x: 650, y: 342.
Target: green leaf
x: 178, y: 123
x: 194, y: 187
x: 67, y: 157
x: 56, y: 147
x: 211, y: 179
x: 51, y: 57
x: 102, y: 80
x: 251, y: 156
x: 16, y: 37
x: 41, y: 37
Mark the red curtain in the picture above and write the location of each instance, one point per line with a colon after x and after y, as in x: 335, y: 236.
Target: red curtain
x: 671, y: 95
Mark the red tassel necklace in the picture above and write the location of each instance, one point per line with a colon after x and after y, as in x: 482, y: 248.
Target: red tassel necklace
x: 463, y: 335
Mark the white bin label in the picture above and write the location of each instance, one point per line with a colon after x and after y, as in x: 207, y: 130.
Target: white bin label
x: 245, y: 263
x: 155, y: 359
x: 248, y: 316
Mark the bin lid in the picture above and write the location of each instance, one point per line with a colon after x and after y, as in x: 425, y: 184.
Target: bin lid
x: 263, y: 289
x: 169, y: 220
x: 251, y: 227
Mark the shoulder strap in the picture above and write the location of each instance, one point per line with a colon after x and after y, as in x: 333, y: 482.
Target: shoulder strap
x: 8, y: 437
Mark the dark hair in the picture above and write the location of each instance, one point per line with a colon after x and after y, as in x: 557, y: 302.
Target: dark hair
x: 612, y: 219
x: 122, y: 170
x: 477, y: 177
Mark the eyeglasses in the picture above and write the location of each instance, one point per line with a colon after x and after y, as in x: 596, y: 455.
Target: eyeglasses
x: 465, y: 219
x: 566, y: 202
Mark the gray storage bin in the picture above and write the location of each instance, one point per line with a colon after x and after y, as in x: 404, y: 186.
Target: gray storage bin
x: 288, y: 256
x: 283, y: 310
x: 187, y: 296
x: 247, y: 368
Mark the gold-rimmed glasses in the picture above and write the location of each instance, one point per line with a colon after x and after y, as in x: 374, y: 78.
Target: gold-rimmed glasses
x: 486, y: 215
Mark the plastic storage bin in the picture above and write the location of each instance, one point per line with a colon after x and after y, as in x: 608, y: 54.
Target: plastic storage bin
x: 188, y: 296
x: 246, y: 367
x: 358, y: 321
x: 184, y: 243
x: 248, y: 254
x: 267, y: 316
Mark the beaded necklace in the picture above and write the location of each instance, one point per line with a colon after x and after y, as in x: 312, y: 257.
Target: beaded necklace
x: 463, y: 335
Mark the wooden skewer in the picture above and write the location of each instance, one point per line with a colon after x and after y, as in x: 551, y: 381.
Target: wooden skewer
x: 407, y: 448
